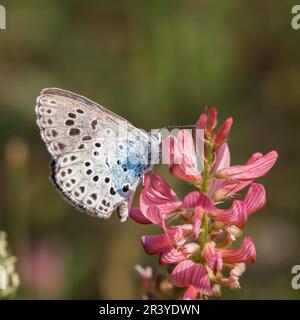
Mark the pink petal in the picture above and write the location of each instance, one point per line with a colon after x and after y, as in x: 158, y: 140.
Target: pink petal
x: 136, y: 215
x: 158, y: 195
x: 197, y: 221
x: 222, y: 188
x: 235, y: 275
x: 200, y: 279
x: 254, y: 170
x: 212, y: 257
x: 212, y: 120
x: 168, y: 151
x: 245, y: 253
x: 255, y: 156
x: 190, y: 294
x: 188, y: 273
x: 154, y: 215
x: 216, y: 262
x: 154, y: 244
x: 223, y: 133
x: 222, y: 158
x: 236, y: 215
x: 181, y: 153
x: 201, y: 123
x: 197, y: 199
x: 228, y: 188
x: 255, y: 198
x: 182, y: 273
x: 186, y: 173
x: 170, y: 256
x: 177, y: 234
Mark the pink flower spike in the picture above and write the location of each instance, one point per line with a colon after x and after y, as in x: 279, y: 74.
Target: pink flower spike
x: 190, y: 294
x: 236, y: 215
x: 170, y: 256
x: 154, y: 244
x: 136, y: 215
x: 201, y: 123
x: 255, y: 198
x: 197, y: 199
x: 245, y: 253
x: 223, y: 133
x: 254, y: 170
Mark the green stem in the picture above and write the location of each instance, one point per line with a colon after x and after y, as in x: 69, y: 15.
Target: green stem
x: 205, y: 188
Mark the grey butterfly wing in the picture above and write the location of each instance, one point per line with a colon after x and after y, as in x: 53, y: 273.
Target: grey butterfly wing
x: 90, y: 166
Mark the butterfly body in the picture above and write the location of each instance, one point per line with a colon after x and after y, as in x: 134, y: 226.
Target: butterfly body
x: 98, y: 157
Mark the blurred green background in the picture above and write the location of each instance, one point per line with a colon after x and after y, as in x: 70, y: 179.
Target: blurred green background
x: 156, y: 63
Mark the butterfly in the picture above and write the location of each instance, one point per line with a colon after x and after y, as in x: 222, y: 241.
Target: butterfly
x: 98, y: 157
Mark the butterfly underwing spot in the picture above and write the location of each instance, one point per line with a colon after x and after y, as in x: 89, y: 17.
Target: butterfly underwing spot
x: 46, y: 122
x: 94, y: 124
x: 72, y: 115
x: 125, y: 188
x: 54, y: 133
x: 74, y: 132
x: 89, y: 172
x: 112, y: 191
x: 69, y: 159
x: 81, y: 146
x: 86, y: 138
x: 70, y: 184
x: 69, y: 122
x: 47, y: 111
x: 79, y: 111
x: 61, y: 146
x: 95, y: 178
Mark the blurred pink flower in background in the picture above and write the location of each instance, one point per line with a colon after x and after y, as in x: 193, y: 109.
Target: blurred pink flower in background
x: 197, y: 237
x: 43, y: 269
